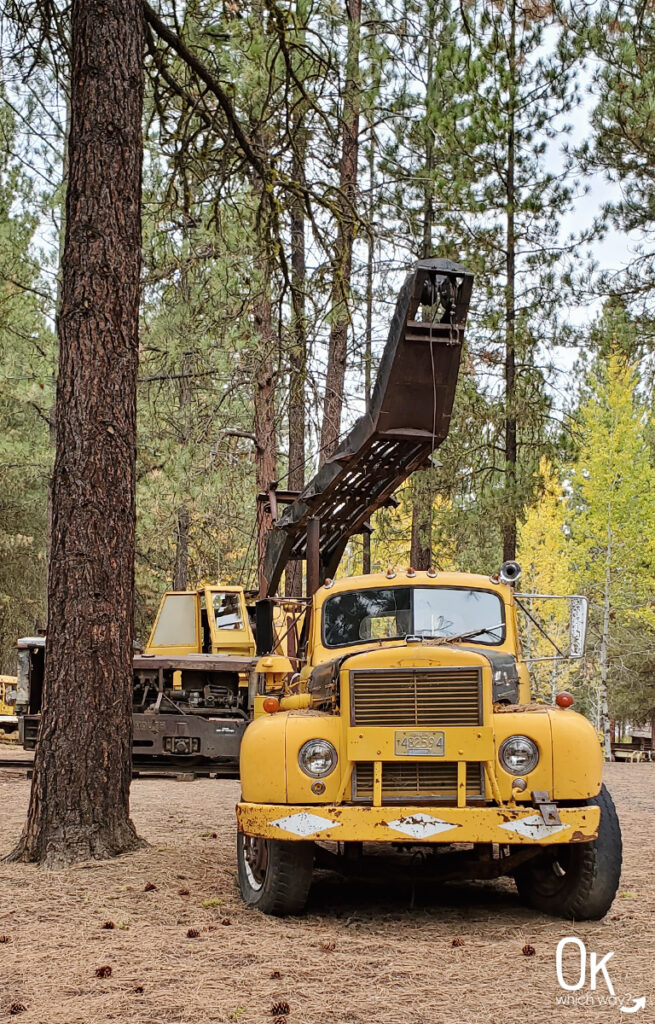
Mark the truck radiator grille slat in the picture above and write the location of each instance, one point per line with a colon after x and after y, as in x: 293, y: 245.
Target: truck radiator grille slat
x: 428, y: 698
x: 423, y: 779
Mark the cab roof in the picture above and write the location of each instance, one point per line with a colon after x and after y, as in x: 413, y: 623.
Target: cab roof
x: 419, y: 578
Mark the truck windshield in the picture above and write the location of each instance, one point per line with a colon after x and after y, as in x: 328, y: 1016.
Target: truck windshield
x: 389, y: 613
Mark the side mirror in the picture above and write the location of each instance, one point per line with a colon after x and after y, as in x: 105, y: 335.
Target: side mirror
x: 550, y: 626
x: 577, y: 625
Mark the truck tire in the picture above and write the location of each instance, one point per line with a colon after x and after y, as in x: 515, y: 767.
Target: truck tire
x: 274, y: 875
x: 577, y: 880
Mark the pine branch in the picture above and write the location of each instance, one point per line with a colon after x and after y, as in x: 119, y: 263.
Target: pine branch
x: 173, y: 40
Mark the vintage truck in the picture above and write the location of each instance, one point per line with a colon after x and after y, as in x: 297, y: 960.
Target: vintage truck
x: 8, y: 717
x: 195, y: 681
x: 410, y: 725
x: 413, y: 725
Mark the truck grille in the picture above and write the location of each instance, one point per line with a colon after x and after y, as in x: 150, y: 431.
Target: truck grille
x: 416, y: 697
x: 423, y: 779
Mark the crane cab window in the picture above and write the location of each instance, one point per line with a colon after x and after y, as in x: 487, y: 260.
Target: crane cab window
x: 176, y: 623
x: 227, y: 610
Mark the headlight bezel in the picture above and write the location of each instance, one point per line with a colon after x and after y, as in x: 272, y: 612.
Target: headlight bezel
x: 330, y: 752
x: 526, y: 767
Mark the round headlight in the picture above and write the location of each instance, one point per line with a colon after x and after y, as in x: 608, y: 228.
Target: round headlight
x: 317, y: 758
x: 519, y: 755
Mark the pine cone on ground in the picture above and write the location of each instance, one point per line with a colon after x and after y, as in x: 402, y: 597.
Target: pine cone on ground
x: 280, y: 1009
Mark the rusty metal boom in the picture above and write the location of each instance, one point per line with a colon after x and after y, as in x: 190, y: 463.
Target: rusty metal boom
x: 409, y: 417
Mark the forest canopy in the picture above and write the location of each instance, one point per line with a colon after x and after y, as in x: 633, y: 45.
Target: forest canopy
x: 298, y: 157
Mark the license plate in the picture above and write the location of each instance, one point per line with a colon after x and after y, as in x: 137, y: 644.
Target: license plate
x: 419, y: 743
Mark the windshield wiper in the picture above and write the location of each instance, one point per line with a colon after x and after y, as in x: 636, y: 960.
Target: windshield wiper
x: 490, y: 630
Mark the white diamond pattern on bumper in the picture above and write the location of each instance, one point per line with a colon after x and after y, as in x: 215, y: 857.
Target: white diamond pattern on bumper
x: 533, y: 827
x: 304, y: 824
x: 421, y: 826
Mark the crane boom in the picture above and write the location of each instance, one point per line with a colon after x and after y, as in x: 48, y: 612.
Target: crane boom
x: 409, y: 417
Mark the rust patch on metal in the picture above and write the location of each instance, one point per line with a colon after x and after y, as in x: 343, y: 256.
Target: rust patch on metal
x: 580, y: 837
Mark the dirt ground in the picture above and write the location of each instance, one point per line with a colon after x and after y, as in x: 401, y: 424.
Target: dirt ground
x: 364, y: 954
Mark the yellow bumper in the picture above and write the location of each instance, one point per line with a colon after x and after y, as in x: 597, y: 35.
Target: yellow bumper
x: 416, y: 824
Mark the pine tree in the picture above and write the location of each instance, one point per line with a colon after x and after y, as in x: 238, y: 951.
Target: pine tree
x: 621, y: 37
x: 519, y: 92
x: 79, y: 806
x: 613, y: 521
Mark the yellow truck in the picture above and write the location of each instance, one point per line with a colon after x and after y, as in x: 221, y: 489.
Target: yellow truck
x: 195, y: 680
x: 8, y: 717
x: 410, y: 724
x: 413, y: 725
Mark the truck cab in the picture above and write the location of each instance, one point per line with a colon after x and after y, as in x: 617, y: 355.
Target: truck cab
x: 8, y: 695
x: 411, y: 724
x: 209, y: 620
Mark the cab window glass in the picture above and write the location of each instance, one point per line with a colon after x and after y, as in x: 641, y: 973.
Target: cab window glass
x: 227, y: 611
x: 374, y: 614
x: 176, y: 624
x: 394, y: 612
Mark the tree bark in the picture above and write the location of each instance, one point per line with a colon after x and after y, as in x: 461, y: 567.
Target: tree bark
x: 422, y: 484
x: 79, y: 806
x: 368, y: 342
x: 181, y: 566
x: 422, y: 497
x: 185, y: 433
x: 604, y: 647
x: 264, y: 415
x: 340, y: 296
x: 298, y: 354
x: 509, y: 525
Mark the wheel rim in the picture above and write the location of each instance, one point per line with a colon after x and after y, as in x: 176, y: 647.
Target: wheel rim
x: 255, y: 860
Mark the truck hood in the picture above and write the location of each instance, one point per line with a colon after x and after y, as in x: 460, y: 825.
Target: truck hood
x: 505, y: 679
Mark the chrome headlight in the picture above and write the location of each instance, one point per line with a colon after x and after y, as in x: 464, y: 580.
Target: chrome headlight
x: 317, y: 758
x: 519, y: 755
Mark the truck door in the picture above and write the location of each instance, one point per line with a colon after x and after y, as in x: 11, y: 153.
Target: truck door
x: 228, y: 620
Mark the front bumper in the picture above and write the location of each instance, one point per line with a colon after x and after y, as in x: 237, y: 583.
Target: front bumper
x: 416, y: 824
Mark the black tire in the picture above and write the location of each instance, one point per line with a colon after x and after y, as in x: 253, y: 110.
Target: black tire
x: 274, y: 875
x: 577, y: 880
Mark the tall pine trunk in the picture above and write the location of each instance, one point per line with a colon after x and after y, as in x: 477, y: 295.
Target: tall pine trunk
x: 604, y: 647
x: 298, y: 354
x: 420, y: 556
x: 264, y: 409
x: 183, y: 516
x: 368, y: 341
x: 340, y: 296
x: 509, y: 523
x: 181, y: 564
x: 79, y: 806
